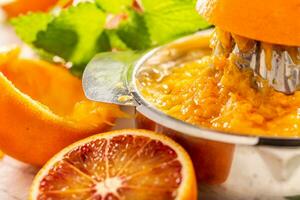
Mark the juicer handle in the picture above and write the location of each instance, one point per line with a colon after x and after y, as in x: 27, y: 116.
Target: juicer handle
x: 107, y: 78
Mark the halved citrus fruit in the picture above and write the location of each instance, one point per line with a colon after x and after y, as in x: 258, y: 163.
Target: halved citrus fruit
x: 17, y: 7
x: 43, y: 109
x: 126, y: 164
x: 273, y: 21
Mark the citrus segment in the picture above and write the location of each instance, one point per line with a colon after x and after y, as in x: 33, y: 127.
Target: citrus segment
x: 273, y: 21
x: 126, y: 164
x: 43, y: 109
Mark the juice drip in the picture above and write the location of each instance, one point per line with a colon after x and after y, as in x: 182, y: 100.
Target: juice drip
x: 278, y: 64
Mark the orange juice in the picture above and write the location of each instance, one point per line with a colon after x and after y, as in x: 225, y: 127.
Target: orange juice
x: 213, y: 93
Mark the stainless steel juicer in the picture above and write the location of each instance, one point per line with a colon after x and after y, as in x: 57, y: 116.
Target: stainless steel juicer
x: 228, y: 166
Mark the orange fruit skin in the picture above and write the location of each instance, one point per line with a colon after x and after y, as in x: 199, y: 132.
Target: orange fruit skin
x: 23, y: 6
x: 272, y: 21
x: 186, y: 192
x: 31, y: 132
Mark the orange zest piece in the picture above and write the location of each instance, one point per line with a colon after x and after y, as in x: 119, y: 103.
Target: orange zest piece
x: 23, y: 6
x: 43, y: 109
x: 125, y: 164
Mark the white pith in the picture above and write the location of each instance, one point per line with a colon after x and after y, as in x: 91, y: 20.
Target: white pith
x: 109, y: 186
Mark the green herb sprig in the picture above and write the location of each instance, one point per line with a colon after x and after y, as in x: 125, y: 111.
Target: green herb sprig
x: 79, y: 32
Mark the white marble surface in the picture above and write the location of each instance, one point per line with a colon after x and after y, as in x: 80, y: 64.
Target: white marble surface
x: 16, y: 178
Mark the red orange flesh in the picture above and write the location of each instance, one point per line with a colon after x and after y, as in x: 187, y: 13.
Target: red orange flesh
x: 126, y: 164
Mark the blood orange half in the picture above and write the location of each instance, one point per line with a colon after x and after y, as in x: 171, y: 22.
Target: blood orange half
x: 125, y: 164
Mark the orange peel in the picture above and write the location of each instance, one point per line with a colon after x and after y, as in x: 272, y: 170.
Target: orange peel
x: 272, y: 21
x: 23, y: 6
x: 43, y: 109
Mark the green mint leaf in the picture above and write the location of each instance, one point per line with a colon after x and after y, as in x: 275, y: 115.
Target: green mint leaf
x: 76, y: 35
x: 134, y: 33
x: 170, y: 19
x: 115, y: 41
x: 27, y: 26
x: 114, y: 6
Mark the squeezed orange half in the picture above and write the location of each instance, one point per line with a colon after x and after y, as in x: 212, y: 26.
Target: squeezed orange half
x: 43, y: 109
